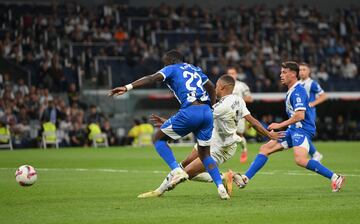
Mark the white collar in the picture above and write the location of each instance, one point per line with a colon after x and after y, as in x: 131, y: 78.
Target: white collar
x: 293, y: 87
x: 306, y: 80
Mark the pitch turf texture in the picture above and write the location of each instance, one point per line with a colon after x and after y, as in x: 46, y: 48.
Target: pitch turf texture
x: 101, y: 186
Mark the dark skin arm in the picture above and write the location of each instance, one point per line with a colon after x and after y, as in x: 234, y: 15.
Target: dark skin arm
x: 149, y: 79
x: 146, y: 80
x: 210, y: 88
x: 259, y: 128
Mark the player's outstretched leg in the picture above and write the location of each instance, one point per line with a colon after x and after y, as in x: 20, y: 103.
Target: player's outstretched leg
x: 301, y: 159
x: 259, y: 161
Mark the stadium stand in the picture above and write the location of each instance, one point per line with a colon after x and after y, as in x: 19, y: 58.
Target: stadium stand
x: 67, y: 48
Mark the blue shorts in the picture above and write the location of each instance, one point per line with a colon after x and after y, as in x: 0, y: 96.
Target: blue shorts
x: 197, y: 119
x: 296, y: 138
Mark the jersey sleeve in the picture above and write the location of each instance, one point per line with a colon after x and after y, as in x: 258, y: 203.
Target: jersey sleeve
x: 166, y: 72
x: 246, y: 90
x: 299, y: 100
x: 243, y: 109
x: 316, y: 88
x: 204, y: 78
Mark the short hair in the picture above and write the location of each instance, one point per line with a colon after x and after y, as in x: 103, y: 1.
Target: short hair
x: 137, y: 121
x: 291, y: 65
x: 229, y: 80
x: 174, y: 57
x: 306, y: 65
x: 232, y: 67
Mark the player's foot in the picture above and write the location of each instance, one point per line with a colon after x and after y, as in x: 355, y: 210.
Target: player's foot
x: 317, y: 156
x: 243, y: 157
x: 223, y: 193
x: 240, y: 180
x: 337, y: 184
x: 178, y: 176
x: 228, y: 181
x: 150, y: 194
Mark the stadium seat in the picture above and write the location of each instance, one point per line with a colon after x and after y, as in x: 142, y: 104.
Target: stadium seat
x: 5, y: 140
x: 50, y: 138
x: 100, y: 140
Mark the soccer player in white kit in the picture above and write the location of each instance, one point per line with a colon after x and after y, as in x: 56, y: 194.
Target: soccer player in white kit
x: 242, y: 90
x: 316, y: 96
x: 223, y: 141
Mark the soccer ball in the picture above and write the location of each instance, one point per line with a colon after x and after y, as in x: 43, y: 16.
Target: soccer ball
x: 26, y: 175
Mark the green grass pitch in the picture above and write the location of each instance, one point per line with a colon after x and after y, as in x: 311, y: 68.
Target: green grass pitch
x: 101, y: 186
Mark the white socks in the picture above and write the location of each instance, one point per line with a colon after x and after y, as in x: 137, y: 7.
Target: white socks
x: 334, y: 177
x: 204, y: 177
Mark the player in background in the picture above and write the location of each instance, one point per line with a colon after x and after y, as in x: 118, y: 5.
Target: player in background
x: 315, y: 94
x: 301, y: 129
x: 224, y: 138
x: 196, y: 94
x: 243, y: 91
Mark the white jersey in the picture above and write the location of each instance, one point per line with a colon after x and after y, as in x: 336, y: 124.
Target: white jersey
x: 226, y: 115
x: 241, y: 89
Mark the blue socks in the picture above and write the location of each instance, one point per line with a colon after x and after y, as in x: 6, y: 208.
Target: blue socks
x: 318, y: 168
x: 212, y: 168
x: 256, y: 165
x: 165, y: 152
x: 312, y: 165
x: 312, y: 149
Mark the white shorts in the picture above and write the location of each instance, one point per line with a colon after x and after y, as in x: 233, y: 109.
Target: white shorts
x: 241, y: 126
x: 221, y: 154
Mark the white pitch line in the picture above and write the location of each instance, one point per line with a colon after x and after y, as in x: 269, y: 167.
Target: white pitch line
x: 272, y: 172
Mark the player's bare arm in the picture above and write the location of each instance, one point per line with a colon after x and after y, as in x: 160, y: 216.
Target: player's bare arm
x: 298, y: 116
x: 322, y: 98
x: 248, y: 99
x: 210, y: 88
x: 146, y: 80
x: 157, y: 120
x: 259, y: 128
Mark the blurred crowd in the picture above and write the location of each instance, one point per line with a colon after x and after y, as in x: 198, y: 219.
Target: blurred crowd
x: 253, y: 38
x: 328, y: 128
x: 41, y: 39
x: 25, y: 109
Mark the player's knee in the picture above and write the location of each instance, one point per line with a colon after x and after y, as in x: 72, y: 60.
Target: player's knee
x: 154, y: 139
x: 264, y: 150
x: 203, y: 152
x: 159, y: 143
x: 159, y: 136
x: 301, y: 161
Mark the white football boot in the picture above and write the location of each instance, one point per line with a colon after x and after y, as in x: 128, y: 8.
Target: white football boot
x: 240, y: 180
x: 178, y: 175
x: 223, y: 193
x: 337, y: 183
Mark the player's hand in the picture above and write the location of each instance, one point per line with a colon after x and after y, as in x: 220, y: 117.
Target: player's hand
x: 156, y: 120
x: 274, y: 126
x: 117, y: 91
x: 276, y: 135
x: 311, y: 104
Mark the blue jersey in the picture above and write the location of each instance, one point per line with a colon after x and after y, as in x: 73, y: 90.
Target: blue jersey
x: 186, y: 82
x: 297, y: 99
x: 313, y: 89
